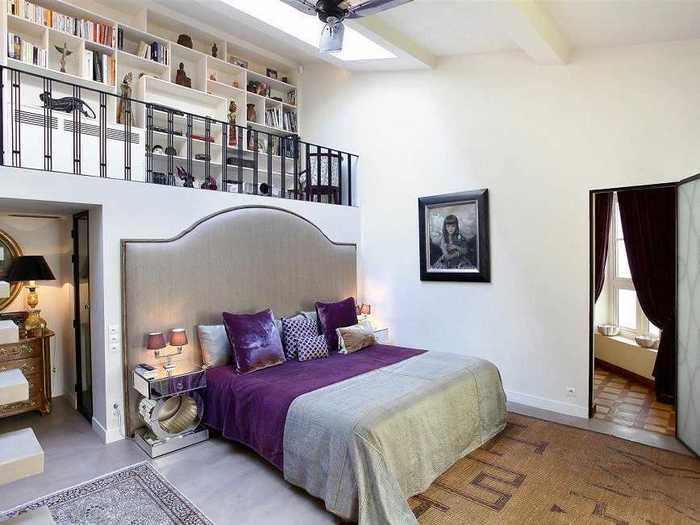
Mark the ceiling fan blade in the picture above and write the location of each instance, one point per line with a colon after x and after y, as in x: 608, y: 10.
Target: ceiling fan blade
x: 305, y: 6
x: 372, y: 7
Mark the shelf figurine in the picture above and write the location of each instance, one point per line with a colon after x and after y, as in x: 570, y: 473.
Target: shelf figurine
x: 214, y: 50
x: 232, y: 130
x: 65, y: 52
x: 181, y: 77
x: 124, y: 102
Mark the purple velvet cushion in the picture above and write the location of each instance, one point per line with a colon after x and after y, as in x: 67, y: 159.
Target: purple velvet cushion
x: 332, y: 316
x: 255, y: 340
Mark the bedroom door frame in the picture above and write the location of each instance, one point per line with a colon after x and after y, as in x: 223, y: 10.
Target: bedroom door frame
x: 591, y: 278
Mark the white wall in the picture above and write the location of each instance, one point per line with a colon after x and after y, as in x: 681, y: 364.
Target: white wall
x: 539, y: 138
x: 128, y: 210
x: 50, y: 238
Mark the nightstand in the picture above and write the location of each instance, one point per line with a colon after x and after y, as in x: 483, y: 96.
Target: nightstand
x: 172, y: 407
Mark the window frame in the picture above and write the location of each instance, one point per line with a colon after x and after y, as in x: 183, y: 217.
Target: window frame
x: 621, y: 283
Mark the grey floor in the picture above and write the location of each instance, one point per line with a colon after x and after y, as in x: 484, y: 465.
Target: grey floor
x: 226, y: 481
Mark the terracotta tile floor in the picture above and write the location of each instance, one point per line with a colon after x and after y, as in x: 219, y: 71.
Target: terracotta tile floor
x: 631, y: 404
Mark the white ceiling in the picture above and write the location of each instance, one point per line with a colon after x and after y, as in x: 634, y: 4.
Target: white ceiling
x: 458, y: 27
x: 620, y: 23
x: 422, y: 30
x: 449, y: 27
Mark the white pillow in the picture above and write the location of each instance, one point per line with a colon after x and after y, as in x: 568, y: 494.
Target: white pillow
x: 216, y: 349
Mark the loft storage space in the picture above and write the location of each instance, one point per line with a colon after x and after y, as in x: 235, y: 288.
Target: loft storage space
x: 158, y: 60
x: 60, y: 40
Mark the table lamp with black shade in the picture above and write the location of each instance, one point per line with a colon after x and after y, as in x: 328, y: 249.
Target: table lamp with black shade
x: 29, y: 269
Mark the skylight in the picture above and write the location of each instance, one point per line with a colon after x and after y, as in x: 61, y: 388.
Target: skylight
x: 307, y: 28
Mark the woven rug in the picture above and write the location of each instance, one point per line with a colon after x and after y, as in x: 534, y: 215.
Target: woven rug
x: 539, y: 472
x: 134, y: 495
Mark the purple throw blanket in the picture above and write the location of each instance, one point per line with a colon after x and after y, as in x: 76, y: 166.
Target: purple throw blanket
x: 252, y: 408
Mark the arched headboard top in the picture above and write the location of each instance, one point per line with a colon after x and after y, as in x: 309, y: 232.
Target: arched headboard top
x: 243, y: 259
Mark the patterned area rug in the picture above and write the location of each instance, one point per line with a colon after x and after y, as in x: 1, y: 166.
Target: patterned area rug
x: 135, y: 495
x: 539, y: 472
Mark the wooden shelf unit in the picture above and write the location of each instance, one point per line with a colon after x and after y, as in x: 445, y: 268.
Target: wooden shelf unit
x: 213, y: 78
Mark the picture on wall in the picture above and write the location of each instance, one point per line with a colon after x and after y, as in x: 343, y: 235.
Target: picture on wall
x: 453, y: 232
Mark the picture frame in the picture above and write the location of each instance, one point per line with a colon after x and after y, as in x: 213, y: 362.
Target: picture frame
x: 453, y: 237
x: 271, y: 73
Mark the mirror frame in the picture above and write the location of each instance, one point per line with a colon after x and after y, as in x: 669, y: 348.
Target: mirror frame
x: 15, y: 251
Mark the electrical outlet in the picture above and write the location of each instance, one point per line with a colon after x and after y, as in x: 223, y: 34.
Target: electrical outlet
x: 570, y: 391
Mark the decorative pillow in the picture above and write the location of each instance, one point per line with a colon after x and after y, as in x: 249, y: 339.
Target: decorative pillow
x: 312, y: 348
x: 354, y: 338
x: 332, y: 316
x: 216, y: 350
x: 311, y: 315
x: 255, y: 340
x: 295, y: 328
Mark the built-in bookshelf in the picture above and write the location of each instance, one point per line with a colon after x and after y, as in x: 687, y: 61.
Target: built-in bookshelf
x: 100, y: 52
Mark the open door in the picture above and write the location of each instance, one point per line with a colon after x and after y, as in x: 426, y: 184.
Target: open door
x: 81, y: 322
x: 688, y: 309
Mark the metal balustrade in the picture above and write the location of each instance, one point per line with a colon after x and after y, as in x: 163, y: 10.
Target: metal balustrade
x: 49, y: 124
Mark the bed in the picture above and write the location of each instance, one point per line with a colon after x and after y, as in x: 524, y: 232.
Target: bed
x: 362, y: 431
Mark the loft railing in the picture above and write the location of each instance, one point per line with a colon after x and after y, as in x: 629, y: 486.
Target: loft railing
x: 50, y: 124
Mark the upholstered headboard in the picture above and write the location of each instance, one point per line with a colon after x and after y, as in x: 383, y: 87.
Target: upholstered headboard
x: 243, y: 259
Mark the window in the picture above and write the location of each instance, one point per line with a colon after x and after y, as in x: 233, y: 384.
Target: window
x: 625, y: 308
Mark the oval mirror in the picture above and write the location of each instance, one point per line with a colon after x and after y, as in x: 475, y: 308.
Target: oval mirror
x: 9, y: 249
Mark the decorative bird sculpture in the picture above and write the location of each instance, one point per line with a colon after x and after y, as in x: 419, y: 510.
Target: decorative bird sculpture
x: 65, y: 52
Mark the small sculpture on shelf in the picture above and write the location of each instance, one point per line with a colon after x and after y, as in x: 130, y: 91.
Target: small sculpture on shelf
x: 185, y: 40
x: 186, y: 177
x: 212, y: 77
x: 181, y: 77
x: 209, y: 183
x: 65, y: 52
x: 214, y: 50
x: 232, y: 131
x: 251, y: 113
x: 125, y: 94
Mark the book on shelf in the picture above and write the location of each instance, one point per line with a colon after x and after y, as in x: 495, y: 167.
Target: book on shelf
x: 290, y: 121
x: 155, y: 51
x: 89, y: 30
x: 99, y: 67
x: 272, y: 117
x: 24, y: 51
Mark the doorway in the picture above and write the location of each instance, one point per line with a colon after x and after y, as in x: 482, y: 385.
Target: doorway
x: 81, y: 319
x: 642, y: 301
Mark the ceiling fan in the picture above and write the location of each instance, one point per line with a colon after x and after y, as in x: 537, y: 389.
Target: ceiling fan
x: 333, y: 12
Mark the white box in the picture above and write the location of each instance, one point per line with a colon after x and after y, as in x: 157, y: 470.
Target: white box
x: 9, y: 332
x: 20, y: 455
x: 13, y: 386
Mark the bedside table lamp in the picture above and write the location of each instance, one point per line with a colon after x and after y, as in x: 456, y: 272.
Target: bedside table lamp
x: 178, y: 338
x: 156, y: 341
x: 29, y: 269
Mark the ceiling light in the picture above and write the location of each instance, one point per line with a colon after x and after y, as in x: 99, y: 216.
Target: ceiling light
x: 355, y: 45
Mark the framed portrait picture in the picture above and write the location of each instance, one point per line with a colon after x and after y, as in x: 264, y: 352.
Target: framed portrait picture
x: 453, y: 232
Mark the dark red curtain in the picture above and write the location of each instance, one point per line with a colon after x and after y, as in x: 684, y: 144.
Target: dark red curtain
x: 603, y: 213
x: 649, y: 225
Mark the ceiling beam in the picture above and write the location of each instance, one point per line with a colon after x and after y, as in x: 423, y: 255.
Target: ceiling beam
x: 396, y: 42
x: 532, y: 28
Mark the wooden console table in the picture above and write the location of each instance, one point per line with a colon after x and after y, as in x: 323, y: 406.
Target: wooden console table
x: 32, y: 355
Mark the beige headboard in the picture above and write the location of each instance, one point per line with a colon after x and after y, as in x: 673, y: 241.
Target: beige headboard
x: 243, y: 259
